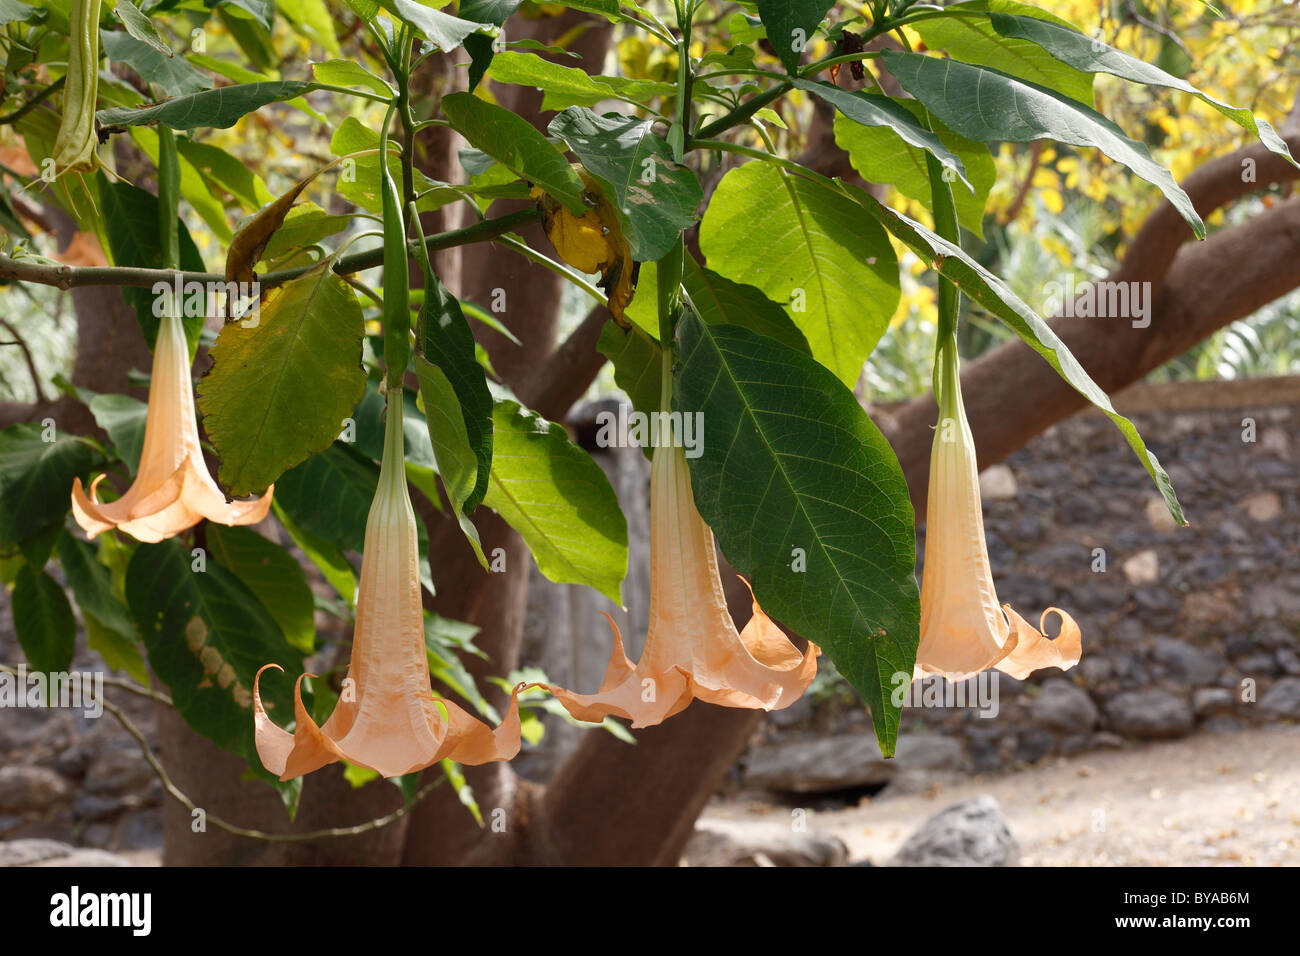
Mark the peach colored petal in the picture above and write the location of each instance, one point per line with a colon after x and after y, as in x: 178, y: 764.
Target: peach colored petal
x: 1035, y: 650
x: 387, y: 719
x: 693, y: 649
x: 964, y: 631
x: 172, y: 490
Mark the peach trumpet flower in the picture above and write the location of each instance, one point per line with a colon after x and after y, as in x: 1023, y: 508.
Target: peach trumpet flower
x: 172, y: 490
x: 963, y: 629
x: 387, y: 718
x: 692, y: 648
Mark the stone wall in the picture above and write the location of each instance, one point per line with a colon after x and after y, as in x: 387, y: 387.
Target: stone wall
x: 1185, y: 629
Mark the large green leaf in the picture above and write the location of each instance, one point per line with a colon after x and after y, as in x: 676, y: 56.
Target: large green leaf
x: 279, y: 391
x: 967, y: 34
x: 207, y: 635
x: 457, y: 463
x: 130, y: 216
x: 329, y: 495
x: 124, y: 418
x: 223, y: 173
x: 875, y: 111
x: 441, y: 29
x: 517, y: 145
x: 173, y: 73
x: 791, y: 461
x: 219, y: 108
x: 448, y: 345
x: 635, y: 353
x: 790, y: 25
x: 984, y: 104
x: 327, y: 556
x: 36, y: 479
x: 561, y: 86
x: 719, y: 301
x: 358, y: 182
x: 43, y: 620
x: 655, y: 198
x: 800, y: 243
x: 92, y: 584
x: 140, y: 27
x: 273, y: 575
x: 881, y: 156
x: 488, y: 11
x: 988, y: 291
x: 637, y: 357
x: 109, y: 628
x: 1092, y: 56
x: 553, y: 493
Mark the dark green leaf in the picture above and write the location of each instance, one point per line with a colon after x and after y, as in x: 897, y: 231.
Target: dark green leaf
x: 278, y: 392
x: 559, y: 500
x: 123, y: 417
x: 131, y: 219
x: 881, y: 156
x: 207, y: 636
x: 967, y: 34
x: 800, y: 243
x: 326, y: 555
x: 719, y: 301
x: 173, y: 73
x: 637, y: 357
x: 983, y: 104
x: 517, y: 145
x: 488, y: 11
x: 92, y: 584
x: 329, y: 495
x: 790, y: 25
x: 791, y: 461
x: 36, y: 479
x: 655, y: 198
x: 222, y: 172
x: 874, y: 110
x: 219, y: 108
x: 448, y: 344
x: 1092, y: 56
x: 43, y: 620
x: 273, y: 575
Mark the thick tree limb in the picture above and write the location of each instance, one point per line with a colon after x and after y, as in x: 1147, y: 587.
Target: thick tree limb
x: 70, y: 277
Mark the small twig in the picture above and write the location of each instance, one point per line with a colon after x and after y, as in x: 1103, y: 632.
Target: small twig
x: 179, y: 795
x: 1023, y: 192
x: 34, y: 102
x: 70, y: 277
x: 27, y: 354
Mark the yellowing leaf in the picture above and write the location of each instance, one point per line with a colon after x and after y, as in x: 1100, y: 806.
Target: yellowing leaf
x: 250, y: 241
x: 593, y: 242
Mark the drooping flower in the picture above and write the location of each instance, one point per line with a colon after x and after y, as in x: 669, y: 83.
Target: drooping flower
x: 172, y: 489
x: 74, y: 146
x: 387, y: 718
x: 692, y: 648
x: 963, y: 630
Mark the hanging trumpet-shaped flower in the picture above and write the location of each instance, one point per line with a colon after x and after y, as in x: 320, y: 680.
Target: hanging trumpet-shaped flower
x: 963, y: 630
x: 387, y: 718
x: 172, y: 489
x: 692, y: 649
x: 74, y: 146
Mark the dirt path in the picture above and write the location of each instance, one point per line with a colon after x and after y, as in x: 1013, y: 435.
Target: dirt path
x: 1225, y: 799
